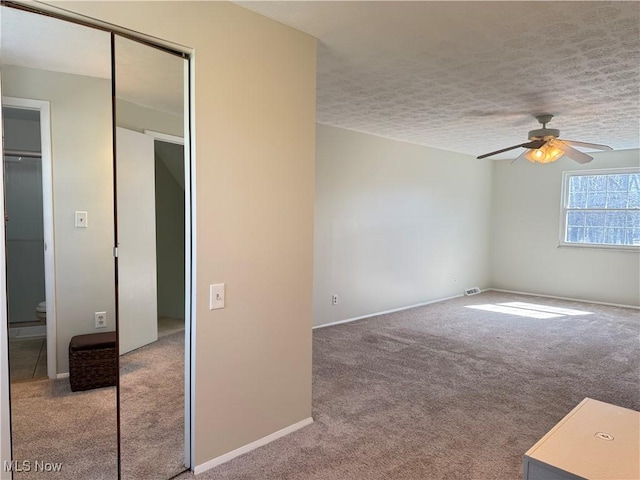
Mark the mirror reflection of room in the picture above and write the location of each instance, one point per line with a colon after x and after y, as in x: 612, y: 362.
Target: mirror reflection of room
x: 61, y: 226
x: 26, y: 297
x: 151, y: 258
x: 58, y: 163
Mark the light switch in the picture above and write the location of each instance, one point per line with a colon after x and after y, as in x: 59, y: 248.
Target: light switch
x: 81, y: 219
x: 216, y: 296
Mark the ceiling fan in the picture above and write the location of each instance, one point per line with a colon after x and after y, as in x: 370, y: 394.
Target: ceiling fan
x: 544, y: 146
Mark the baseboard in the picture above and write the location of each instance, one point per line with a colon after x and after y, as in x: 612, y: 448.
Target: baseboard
x: 251, y: 446
x: 581, y: 300
x: 62, y: 375
x: 369, y: 315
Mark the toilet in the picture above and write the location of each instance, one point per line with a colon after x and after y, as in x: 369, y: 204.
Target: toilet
x: 41, y: 312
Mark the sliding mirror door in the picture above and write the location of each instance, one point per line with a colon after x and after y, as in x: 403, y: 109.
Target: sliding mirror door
x: 59, y: 223
x: 150, y: 164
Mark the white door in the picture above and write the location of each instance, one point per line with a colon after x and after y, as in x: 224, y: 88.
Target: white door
x: 136, y: 221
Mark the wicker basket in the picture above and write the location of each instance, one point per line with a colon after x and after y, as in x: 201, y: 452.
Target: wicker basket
x: 93, y: 362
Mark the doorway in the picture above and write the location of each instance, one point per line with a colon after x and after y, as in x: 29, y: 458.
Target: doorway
x: 29, y: 239
x: 170, y: 228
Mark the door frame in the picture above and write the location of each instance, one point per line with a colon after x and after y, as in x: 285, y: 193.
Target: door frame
x: 47, y: 219
x: 5, y: 397
x: 165, y: 137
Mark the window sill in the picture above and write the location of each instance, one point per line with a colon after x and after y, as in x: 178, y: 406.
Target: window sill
x: 613, y: 248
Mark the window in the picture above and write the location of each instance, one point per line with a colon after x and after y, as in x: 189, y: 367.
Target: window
x: 602, y: 208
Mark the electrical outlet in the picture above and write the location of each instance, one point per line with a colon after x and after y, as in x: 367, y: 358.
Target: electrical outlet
x: 101, y: 319
x: 334, y: 300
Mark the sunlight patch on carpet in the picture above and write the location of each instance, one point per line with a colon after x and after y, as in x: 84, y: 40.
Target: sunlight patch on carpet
x: 546, y: 308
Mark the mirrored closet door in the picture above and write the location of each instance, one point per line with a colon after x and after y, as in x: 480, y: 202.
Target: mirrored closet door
x: 59, y: 224
x: 150, y: 163
x: 97, y: 222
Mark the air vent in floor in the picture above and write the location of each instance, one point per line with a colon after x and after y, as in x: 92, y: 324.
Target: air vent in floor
x: 472, y: 291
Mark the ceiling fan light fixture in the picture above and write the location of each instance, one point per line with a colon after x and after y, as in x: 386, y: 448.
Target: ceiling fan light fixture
x: 553, y: 152
x: 534, y: 155
x: 546, y: 154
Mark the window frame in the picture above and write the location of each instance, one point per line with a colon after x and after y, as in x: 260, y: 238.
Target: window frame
x: 564, y: 202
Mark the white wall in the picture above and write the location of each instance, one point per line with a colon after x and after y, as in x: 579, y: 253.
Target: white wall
x: 396, y: 224
x: 82, y: 180
x: 526, y: 228
x: 254, y: 130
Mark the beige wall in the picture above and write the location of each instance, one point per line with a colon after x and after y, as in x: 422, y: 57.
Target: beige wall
x: 397, y: 224
x: 255, y: 142
x: 82, y: 180
x: 525, y: 233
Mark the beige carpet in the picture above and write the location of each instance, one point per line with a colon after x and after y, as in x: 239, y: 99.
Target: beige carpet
x: 52, y: 424
x: 437, y: 392
x: 447, y: 392
x: 152, y: 410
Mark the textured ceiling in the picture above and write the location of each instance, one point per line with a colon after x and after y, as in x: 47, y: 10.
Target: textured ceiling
x: 469, y: 76
x: 462, y: 76
x: 145, y: 76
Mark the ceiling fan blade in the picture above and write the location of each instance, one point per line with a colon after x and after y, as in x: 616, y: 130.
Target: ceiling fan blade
x: 572, y: 152
x: 533, y: 144
x: 595, y: 146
